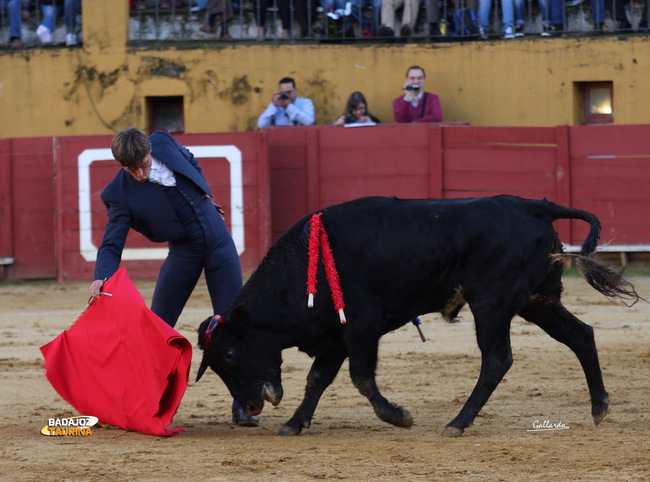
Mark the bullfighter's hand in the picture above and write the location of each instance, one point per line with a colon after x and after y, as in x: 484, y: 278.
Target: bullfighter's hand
x: 95, y: 288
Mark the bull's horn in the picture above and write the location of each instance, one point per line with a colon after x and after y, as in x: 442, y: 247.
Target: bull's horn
x: 271, y: 394
x: 202, y: 368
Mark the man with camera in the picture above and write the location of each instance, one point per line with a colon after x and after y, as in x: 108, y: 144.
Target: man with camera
x: 286, y: 108
x: 416, y: 105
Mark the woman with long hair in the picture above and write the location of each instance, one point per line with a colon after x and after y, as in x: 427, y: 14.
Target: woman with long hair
x: 356, y: 111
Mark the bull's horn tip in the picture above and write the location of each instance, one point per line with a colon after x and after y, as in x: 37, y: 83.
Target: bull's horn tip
x: 200, y: 373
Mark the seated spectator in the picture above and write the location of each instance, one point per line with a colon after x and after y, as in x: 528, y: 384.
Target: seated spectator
x: 519, y: 18
x: 461, y: 18
x: 598, y: 13
x: 305, y: 13
x: 433, y: 19
x: 286, y: 108
x: 215, y: 7
x: 16, y: 11
x: 409, y: 17
x: 645, y: 19
x: 416, y: 105
x: 51, y: 11
x: 356, y: 111
x: 507, y: 18
x: 71, y: 9
x: 616, y: 10
x: 552, y: 17
x: 284, y: 9
x: 368, y: 29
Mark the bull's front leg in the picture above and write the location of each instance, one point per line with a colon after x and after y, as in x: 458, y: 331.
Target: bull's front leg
x: 362, y: 371
x: 322, y: 374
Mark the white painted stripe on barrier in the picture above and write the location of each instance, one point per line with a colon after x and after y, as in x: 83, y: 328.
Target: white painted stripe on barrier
x: 231, y: 153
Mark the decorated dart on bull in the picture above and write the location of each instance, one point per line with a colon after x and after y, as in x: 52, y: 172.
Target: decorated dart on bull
x: 416, y: 322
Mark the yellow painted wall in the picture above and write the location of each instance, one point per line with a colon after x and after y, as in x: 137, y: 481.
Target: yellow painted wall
x: 101, y: 87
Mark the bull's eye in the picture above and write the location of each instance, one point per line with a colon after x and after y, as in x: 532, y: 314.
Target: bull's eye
x: 229, y: 355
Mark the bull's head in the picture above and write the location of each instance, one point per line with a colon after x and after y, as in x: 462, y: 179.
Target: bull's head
x: 246, y: 359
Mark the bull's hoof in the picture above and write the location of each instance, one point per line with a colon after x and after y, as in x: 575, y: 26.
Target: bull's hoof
x: 599, y: 411
x: 289, y: 430
x: 398, y: 416
x: 406, y: 421
x: 452, y: 432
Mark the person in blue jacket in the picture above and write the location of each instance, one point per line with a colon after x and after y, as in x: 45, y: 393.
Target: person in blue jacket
x: 161, y: 193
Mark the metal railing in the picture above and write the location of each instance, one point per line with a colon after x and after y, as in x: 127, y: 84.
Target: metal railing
x: 312, y: 21
x: 308, y: 21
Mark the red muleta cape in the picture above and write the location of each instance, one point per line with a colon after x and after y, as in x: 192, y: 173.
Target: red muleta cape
x: 120, y: 362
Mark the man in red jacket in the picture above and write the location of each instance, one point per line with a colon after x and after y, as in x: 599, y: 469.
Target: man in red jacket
x: 416, y: 105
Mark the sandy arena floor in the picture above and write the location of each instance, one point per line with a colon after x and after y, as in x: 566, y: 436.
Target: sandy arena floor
x: 346, y: 441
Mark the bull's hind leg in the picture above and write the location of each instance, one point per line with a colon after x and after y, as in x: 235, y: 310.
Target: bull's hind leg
x: 363, y: 362
x: 561, y: 325
x: 493, y: 335
x: 322, y: 374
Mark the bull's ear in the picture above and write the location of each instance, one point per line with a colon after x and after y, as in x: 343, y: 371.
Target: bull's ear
x: 201, y: 330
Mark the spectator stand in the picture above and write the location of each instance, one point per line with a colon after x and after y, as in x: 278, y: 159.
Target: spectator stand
x: 153, y: 22
x: 182, y: 24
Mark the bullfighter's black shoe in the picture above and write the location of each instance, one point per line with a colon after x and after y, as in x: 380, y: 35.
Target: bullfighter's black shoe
x: 243, y: 420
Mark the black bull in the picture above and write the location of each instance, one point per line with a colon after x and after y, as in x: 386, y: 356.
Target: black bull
x: 398, y: 259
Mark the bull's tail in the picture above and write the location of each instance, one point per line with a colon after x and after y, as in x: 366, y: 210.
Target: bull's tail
x: 601, y: 277
x: 590, y: 243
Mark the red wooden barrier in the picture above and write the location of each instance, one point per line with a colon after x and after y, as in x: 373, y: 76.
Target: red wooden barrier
x: 27, y: 208
x: 599, y: 168
x: 610, y: 171
x: 313, y: 167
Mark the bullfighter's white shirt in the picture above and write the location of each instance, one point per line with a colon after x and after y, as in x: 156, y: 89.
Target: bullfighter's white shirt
x: 161, y: 174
